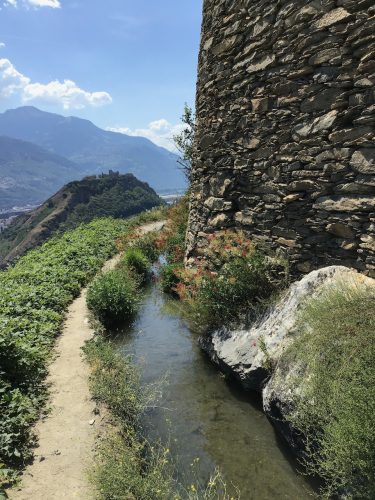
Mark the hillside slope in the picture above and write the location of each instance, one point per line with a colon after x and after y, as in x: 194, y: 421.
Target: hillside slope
x: 113, y: 195
x: 93, y: 149
x: 30, y: 174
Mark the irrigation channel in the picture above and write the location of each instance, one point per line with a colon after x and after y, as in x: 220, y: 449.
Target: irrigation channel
x: 201, y: 415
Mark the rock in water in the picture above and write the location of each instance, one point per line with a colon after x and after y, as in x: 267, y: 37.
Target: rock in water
x: 254, y: 356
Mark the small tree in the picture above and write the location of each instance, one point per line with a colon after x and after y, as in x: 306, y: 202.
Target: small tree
x: 184, y: 141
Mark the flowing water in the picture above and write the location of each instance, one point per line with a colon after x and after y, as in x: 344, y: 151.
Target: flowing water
x: 200, y: 415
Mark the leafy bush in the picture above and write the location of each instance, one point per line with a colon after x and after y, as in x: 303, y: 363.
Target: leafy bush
x: 213, y: 299
x: 231, y: 280
x: 113, y: 298
x: 178, y: 215
x: 33, y: 297
x: 169, y: 277
x: 137, y: 262
x: 336, y: 410
x: 175, y: 248
x: 146, y: 244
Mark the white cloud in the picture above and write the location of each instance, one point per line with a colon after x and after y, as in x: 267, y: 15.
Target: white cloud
x: 54, y: 4
x: 11, y: 80
x: 160, y: 132
x: 66, y: 93
x: 2, y: 45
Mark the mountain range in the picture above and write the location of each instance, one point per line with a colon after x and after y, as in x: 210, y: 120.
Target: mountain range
x: 30, y: 174
x: 53, y: 149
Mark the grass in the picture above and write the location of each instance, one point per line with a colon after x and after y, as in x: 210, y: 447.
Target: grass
x: 336, y: 410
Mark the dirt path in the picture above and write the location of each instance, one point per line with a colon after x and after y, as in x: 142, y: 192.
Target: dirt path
x: 67, y: 436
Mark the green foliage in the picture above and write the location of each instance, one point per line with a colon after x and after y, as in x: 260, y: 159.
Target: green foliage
x: 214, y: 299
x: 169, y: 277
x: 232, y: 280
x: 115, y: 381
x: 113, y: 298
x: 179, y: 215
x: 172, y: 240
x: 154, y: 215
x: 175, y: 247
x: 135, y: 260
x: 126, y: 468
x: 33, y: 297
x: 146, y: 244
x: 335, y: 349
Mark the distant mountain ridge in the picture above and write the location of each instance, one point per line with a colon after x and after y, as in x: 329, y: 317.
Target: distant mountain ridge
x: 113, y: 195
x: 94, y: 150
x: 30, y: 174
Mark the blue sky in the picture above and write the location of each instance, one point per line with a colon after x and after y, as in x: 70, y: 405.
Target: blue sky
x: 128, y: 65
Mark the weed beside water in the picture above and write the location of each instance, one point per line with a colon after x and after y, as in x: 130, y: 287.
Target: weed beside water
x: 335, y: 411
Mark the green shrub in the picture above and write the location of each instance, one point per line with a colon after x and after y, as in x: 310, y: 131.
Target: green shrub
x: 146, y: 244
x: 179, y: 214
x: 115, y: 381
x: 113, y: 298
x: 169, y: 278
x: 172, y: 240
x: 241, y: 287
x: 336, y: 411
x: 127, y: 468
x: 137, y: 262
x: 175, y: 248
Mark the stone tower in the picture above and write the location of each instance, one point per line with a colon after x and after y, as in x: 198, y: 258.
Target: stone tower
x: 285, y: 135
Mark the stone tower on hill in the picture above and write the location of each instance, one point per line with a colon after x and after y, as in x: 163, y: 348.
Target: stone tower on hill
x: 285, y: 135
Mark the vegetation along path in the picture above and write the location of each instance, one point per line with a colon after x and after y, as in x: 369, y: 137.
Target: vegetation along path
x: 66, y: 438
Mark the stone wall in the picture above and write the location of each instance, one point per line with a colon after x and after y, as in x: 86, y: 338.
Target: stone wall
x: 285, y: 135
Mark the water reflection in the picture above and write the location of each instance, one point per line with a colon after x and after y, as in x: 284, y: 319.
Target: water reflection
x: 201, y: 415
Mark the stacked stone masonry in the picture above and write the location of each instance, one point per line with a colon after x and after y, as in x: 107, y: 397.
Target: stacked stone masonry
x: 285, y: 133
